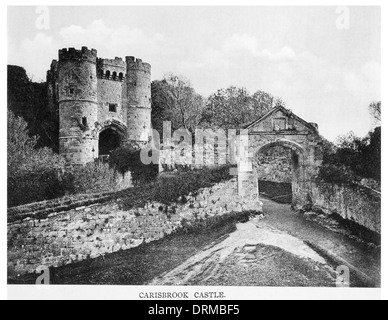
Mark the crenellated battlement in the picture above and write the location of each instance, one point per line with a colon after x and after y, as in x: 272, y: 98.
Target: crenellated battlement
x: 116, y: 63
x: 137, y: 64
x: 81, y: 55
x: 111, y: 69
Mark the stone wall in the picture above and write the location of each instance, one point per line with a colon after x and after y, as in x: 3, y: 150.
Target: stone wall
x: 353, y: 203
x: 175, y: 155
x: 110, y: 92
x: 90, y: 231
x: 275, y: 165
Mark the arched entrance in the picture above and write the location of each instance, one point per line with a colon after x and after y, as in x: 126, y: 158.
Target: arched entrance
x: 109, y: 140
x: 281, y: 127
x: 111, y: 135
x: 283, y: 191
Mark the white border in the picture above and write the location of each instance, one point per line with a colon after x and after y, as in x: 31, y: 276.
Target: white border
x: 121, y: 292
x: 231, y: 293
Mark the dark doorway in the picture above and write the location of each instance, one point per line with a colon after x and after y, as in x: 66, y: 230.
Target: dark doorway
x: 109, y: 141
x: 280, y: 192
x: 279, y: 168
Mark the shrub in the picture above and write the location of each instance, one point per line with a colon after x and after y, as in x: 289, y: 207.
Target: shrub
x: 353, y: 159
x: 127, y: 159
x: 33, y: 174
x: 91, y: 178
x: 176, y: 187
x: 169, y: 189
x: 335, y: 173
x: 27, y: 187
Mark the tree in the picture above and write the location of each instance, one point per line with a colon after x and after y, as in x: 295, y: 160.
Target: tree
x: 375, y: 111
x: 372, y: 154
x: 18, y: 135
x: 354, y: 158
x: 21, y: 152
x: 28, y: 99
x: 233, y: 107
x: 174, y: 99
x: 33, y: 174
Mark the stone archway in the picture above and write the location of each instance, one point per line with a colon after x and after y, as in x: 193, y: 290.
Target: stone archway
x: 108, y: 141
x: 111, y: 135
x: 281, y: 127
x: 299, y: 159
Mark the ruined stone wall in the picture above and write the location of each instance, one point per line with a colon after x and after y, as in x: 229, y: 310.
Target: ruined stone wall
x: 52, y: 87
x: 275, y: 165
x: 65, y: 237
x: 175, y: 155
x: 355, y: 203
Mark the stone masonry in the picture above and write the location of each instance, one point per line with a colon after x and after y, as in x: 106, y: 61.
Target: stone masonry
x: 275, y: 165
x: 101, y: 103
x: 87, y: 232
x: 352, y: 202
x: 282, y: 128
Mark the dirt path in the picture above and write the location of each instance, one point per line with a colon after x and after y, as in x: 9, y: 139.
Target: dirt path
x: 277, y: 251
x: 360, y: 257
x: 253, y: 256
x: 284, y: 249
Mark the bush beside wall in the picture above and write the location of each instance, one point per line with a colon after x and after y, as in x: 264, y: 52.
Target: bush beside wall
x: 27, y: 187
x: 91, y: 178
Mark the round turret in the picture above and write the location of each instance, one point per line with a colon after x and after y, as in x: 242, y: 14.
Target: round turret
x: 138, y: 94
x: 77, y: 98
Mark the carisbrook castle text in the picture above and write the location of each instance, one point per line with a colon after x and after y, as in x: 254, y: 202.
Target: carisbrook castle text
x: 101, y: 103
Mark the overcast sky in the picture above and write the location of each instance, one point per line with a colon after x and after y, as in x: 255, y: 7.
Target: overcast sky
x: 326, y: 74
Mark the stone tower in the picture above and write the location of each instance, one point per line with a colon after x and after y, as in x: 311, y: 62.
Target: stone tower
x: 102, y: 104
x: 138, y: 95
x: 77, y: 100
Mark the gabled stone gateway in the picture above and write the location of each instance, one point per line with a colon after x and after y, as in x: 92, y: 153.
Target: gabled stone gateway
x: 282, y: 121
x: 281, y: 127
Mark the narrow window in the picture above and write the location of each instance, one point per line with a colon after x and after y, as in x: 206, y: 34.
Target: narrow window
x: 112, y: 107
x: 121, y: 76
x: 107, y: 75
x: 72, y: 90
x: 114, y: 75
x: 85, y: 121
